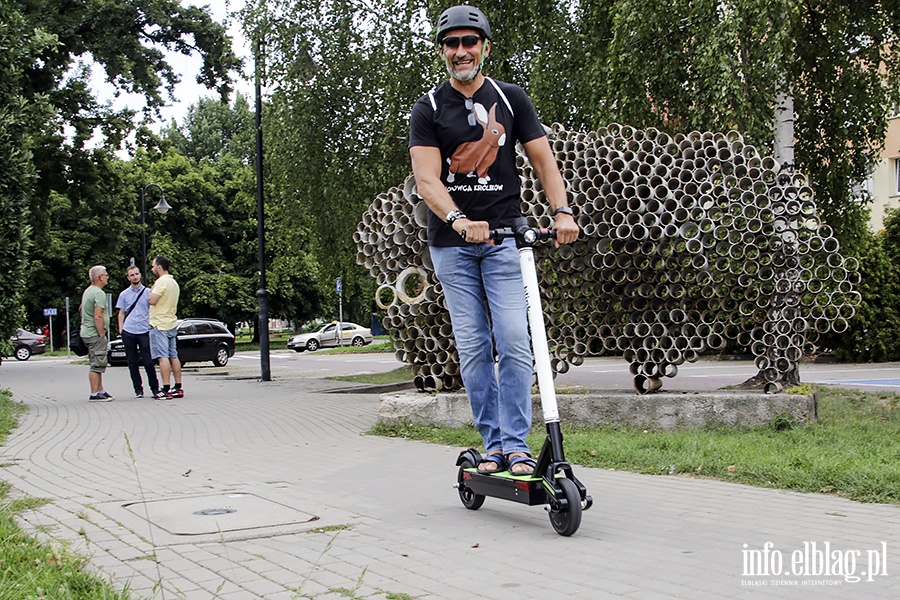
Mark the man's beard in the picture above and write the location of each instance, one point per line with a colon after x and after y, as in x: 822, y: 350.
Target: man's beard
x: 462, y: 76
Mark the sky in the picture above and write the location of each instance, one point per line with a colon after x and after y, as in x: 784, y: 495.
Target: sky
x: 188, y: 91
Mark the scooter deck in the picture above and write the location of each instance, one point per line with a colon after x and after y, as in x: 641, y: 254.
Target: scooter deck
x: 525, y: 489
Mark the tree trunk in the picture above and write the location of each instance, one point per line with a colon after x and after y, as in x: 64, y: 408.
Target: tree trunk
x: 783, y: 128
x: 783, y: 133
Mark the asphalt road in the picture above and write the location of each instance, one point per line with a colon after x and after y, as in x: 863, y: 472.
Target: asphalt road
x: 596, y: 373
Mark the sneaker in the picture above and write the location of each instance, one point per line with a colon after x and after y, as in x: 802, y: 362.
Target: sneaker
x: 162, y: 395
x: 100, y: 397
x: 138, y: 393
x: 179, y: 393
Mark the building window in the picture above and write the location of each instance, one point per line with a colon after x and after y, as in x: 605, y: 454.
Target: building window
x: 896, y: 190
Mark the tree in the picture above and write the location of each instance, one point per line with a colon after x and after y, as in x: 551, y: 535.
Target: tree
x: 714, y: 66
x: 336, y: 119
x: 222, y: 137
x: 873, y: 330
x: 213, y: 129
x: 19, y: 48
x: 76, y: 197
x: 208, y: 235
x: 335, y: 127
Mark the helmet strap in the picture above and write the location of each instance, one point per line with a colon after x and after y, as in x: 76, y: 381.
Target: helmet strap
x: 484, y: 54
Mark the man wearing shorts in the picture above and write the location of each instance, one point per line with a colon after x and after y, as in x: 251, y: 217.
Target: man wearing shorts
x: 164, y: 328
x: 94, y: 327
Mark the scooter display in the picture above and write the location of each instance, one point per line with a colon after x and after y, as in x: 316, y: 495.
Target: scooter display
x: 553, y: 482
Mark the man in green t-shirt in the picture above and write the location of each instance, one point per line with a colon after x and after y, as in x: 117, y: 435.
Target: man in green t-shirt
x: 94, y: 328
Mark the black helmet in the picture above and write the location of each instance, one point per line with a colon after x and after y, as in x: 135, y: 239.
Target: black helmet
x: 462, y: 17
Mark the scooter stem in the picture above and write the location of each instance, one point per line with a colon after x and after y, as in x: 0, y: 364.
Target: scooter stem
x: 538, y: 335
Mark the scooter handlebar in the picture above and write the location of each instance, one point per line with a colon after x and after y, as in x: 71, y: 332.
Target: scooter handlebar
x: 525, y: 235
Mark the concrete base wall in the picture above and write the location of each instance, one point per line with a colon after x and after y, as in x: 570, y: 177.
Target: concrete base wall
x: 653, y: 411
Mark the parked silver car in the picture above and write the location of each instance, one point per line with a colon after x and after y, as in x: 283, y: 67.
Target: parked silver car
x: 327, y: 335
x: 26, y: 343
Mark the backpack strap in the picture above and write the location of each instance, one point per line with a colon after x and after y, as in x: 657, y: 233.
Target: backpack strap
x: 493, y: 83
x: 133, y: 304
x: 502, y: 95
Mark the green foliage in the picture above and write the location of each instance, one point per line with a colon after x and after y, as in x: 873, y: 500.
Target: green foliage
x: 686, y: 65
x: 75, y: 227
x: 75, y: 194
x: 209, y: 235
x: 336, y: 118
x: 335, y: 129
x: 873, y: 330
x: 335, y: 126
x: 18, y: 114
x: 212, y: 129
x: 125, y: 37
x: 9, y: 413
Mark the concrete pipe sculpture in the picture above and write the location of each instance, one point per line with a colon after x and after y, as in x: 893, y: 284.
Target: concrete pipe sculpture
x: 695, y: 235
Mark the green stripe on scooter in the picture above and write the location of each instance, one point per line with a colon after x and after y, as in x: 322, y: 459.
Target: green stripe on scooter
x: 505, y: 475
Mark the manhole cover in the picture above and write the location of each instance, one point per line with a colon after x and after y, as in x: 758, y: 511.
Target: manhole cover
x: 218, y: 513
x: 213, y: 512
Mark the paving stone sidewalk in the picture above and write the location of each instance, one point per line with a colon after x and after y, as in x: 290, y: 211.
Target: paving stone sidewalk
x: 257, y: 461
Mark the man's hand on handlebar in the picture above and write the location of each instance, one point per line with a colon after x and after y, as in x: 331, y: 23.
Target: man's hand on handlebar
x: 566, y: 229
x: 565, y: 232
x: 473, y: 231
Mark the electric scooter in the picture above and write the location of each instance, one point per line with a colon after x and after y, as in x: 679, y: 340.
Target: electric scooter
x: 553, y: 483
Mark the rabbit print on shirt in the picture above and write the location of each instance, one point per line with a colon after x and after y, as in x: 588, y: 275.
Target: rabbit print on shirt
x: 475, y: 158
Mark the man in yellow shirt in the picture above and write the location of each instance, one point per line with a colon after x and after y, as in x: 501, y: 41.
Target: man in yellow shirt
x: 164, y: 328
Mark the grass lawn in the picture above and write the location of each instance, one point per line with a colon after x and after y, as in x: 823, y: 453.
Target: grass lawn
x: 854, y: 450
x: 28, y: 568
x: 400, y: 375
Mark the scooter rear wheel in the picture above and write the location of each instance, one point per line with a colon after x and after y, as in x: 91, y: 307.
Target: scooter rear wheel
x: 470, y: 499
x: 566, y: 522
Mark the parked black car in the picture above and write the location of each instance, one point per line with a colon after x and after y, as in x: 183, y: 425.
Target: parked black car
x: 199, y: 340
x: 26, y: 343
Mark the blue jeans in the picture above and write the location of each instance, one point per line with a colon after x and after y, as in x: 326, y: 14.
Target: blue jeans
x: 469, y: 275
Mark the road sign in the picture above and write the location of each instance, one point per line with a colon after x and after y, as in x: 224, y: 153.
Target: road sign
x: 49, y: 312
x: 338, y: 283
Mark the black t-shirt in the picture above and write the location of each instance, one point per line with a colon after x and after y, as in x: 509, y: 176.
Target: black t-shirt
x: 478, y: 150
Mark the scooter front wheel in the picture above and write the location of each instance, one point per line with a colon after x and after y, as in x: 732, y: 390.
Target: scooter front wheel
x: 566, y: 522
x: 470, y: 499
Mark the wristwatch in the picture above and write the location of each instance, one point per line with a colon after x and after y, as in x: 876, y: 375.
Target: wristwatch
x: 453, y: 215
x: 565, y: 210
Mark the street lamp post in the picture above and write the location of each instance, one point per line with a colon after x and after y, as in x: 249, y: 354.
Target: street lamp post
x: 262, y: 293
x: 162, y: 207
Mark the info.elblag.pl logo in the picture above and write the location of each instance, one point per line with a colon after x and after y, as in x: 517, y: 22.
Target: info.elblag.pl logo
x: 814, y: 563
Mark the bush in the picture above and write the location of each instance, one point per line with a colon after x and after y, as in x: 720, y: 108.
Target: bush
x: 872, y: 335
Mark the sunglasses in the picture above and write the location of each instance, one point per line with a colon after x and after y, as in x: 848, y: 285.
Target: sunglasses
x: 470, y: 106
x: 468, y: 41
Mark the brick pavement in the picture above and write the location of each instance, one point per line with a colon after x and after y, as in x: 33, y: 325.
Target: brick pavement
x: 390, y: 525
